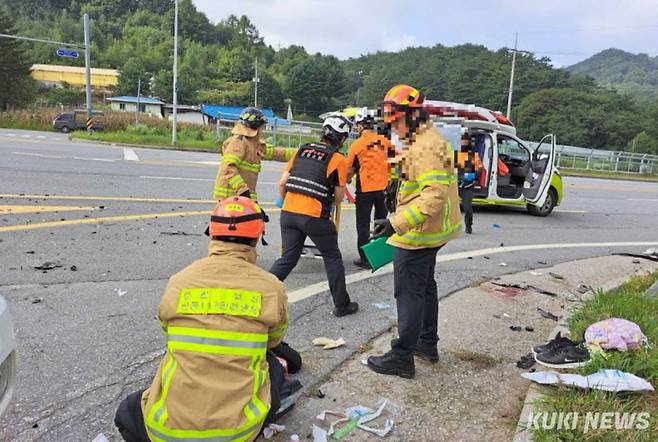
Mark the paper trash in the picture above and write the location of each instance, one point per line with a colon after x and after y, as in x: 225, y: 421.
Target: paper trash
x: 607, y: 380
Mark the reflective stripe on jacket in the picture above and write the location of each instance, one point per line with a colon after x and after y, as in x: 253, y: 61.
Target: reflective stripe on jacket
x: 427, y: 213
x: 239, y: 166
x: 219, y: 315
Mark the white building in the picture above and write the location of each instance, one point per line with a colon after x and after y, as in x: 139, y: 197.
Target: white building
x: 151, y: 106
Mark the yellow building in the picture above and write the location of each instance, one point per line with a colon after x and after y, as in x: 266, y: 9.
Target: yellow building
x: 56, y: 75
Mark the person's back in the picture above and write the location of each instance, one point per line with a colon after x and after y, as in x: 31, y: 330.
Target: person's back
x: 217, y: 312
x: 368, y: 155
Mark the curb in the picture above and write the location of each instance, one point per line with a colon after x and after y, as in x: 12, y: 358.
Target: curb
x: 144, y: 146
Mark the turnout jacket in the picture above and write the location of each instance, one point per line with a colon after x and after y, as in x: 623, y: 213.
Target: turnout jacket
x: 239, y: 166
x: 427, y: 213
x: 219, y: 316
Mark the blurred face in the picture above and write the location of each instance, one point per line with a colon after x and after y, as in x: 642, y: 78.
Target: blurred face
x: 360, y: 128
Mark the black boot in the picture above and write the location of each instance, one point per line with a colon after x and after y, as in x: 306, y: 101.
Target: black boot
x: 390, y: 363
x: 430, y: 354
x: 361, y: 263
x: 348, y: 309
x: 469, y: 230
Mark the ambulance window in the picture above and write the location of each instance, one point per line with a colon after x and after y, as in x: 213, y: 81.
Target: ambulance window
x: 512, y: 149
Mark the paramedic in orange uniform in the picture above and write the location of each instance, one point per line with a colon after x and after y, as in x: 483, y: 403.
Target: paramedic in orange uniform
x: 367, y: 158
x: 312, y: 185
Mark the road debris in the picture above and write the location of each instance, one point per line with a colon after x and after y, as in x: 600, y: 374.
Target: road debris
x: 526, y: 361
x: 515, y: 328
x: 37, y: 300
x: 556, y: 276
x: 30, y: 252
x: 74, y: 268
x: 502, y: 264
x: 120, y: 292
x: 606, y: 380
x: 272, y: 430
x: 582, y: 289
x: 48, y: 265
x: 100, y: 438
x: 181, y: 233
x: 496, y: 226
x: 547, y: 315
x: 328, y: 343
x: 319, y: 394
x: 382, y: 306
x: 529, y: 329
x: 534, y: 273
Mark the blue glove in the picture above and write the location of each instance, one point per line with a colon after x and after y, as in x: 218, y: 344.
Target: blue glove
x: 470, y: 176
x: 279, y: 202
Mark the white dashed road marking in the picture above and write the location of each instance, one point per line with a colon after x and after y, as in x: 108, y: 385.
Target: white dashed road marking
x: 129, y: 154
x: 147, y: 177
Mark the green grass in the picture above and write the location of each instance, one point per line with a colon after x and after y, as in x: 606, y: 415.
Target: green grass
x: 626, y: 302
x: 609, y: 175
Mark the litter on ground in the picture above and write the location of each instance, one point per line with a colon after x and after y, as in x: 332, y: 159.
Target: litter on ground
x: 328, y: 343
x: 607, y: 380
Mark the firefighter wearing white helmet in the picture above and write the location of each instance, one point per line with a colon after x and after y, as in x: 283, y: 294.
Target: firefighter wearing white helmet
x: 312, y: 184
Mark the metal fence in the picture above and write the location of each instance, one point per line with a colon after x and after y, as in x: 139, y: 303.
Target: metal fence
x: 571, y: 157
x: 289, y: 134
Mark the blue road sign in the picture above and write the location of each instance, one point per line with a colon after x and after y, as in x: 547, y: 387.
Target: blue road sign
x: 68, y: 53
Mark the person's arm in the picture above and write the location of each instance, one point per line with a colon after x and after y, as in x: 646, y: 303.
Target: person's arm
x: 282, y: 184
x: 276, y: 334
x: 228, y: 181
x: 339, y: 194
x: 341, y: 178
x: 351, y: 157
x: 281, y: 154
x: 435, y: 175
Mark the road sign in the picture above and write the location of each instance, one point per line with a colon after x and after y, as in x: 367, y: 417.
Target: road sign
x: 68, y: 53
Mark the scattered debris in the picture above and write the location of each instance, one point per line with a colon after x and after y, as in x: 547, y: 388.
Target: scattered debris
x: 328, y: 343
x: 534, y: 273
x: 502, y: 244
x: 502, y: 264
x: 272, y: 430
x: 120, y: 292
x: 48, y: 265
x: 529, y: 329
x: 650, y: 254
x: 180, y: 233
x: 486, y: 257
x: 556, y: 276
x: 30, y: 252
x: 116, y: 315
x: 100, y: 438
x: 319, y: 394
x: 542, y: 262
x: 582, y: 289
x: 513, y: 285
x: 37, y: 300
x: 543, y: 291
x: 606, y: 380
x: 636, y: 261
x: 382, y: 306
x: 496, y: 226
x: 74, y: 268
x: 547, y: 315
x: 526, y: 361
x: 515, y: 327
x: 572, y: 297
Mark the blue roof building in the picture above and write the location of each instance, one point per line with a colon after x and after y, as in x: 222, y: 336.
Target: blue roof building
x: 142, y: 100
x: 232, y: 113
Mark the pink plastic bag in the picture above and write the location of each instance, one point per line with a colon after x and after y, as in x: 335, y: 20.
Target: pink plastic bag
x: 615, y: 334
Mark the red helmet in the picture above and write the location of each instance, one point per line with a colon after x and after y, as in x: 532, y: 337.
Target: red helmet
x: 237, y: 216
x: 400, y: 98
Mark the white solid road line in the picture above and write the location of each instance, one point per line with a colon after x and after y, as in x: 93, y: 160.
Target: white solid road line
x: 147, y: 177
x: 641, y: 199
x: 129, y: 154
x: 108, y: 160
x: 314, y: 289
x: 40, y: 155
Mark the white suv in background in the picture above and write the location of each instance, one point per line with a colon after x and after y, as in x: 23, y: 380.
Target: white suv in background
x: 7, y: 357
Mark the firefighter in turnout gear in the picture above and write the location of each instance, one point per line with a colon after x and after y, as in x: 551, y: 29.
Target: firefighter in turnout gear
x: 368, y: 159
x: 312, y: 185
x: 426, y: 217
x: 242, y: 154
x: 221, y: 315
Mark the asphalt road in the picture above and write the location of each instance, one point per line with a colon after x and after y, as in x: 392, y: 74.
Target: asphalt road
x: 118, y: 222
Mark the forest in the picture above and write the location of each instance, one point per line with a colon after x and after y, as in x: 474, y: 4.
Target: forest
x: 217, y: 61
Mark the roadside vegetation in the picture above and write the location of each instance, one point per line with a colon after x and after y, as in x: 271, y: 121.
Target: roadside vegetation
x: 627, y: 302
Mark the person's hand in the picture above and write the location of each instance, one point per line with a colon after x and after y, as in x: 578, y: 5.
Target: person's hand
x: 265, y: 217
x: 279, y: 202
x: 246, y: 194
x: 383, y: 228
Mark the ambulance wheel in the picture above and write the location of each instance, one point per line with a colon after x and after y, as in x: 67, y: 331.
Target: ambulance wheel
x: 547, y: 207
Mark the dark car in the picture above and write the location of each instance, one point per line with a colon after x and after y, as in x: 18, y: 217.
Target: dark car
x: 68, y: 121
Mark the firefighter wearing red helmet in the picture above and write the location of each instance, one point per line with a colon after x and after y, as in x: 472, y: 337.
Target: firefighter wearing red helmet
x: 426, y: 217
x: 221, y: 316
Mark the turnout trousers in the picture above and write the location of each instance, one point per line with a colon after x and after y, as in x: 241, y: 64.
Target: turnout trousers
x: 416, y: 295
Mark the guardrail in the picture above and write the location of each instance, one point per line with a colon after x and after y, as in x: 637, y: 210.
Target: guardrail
x: 606, y: 161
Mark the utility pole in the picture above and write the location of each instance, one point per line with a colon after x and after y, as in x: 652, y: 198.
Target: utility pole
x: 175, y: 103
x: 90, y: 112
x: 139, y: 91
x: 511, y: 78
x: 256, y: 80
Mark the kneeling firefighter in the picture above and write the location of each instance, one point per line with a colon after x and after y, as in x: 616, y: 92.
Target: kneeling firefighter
x: 242, y: 154
x: 312, y: 185
x: 426, y: 217
x: 221, y: 315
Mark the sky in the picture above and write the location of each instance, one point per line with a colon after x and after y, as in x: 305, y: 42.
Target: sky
x: 566, y: 31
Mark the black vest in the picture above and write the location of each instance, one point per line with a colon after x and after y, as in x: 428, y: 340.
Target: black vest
x: 309, y: 174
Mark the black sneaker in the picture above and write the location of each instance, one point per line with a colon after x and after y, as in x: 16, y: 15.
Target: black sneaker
x: 564, y: 356
x: 349, y: 309
x: 392, y: 364
x: 430, y: 354
x: 557, y: 341
x: 361, y: 263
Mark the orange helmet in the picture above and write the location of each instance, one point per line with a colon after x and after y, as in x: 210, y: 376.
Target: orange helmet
x: 400, y: 98
x: 237, y: 216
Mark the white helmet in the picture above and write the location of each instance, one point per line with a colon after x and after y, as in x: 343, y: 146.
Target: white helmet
x: 335, y: 128
x: 365, y: 116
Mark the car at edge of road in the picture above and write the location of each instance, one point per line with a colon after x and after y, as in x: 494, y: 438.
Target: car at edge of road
x: 7, y: 357
x: 65, y: 122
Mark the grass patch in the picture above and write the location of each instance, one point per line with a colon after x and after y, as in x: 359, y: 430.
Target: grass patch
x: 480, y: 360
x: 609, y: 175
x: 628, y: 302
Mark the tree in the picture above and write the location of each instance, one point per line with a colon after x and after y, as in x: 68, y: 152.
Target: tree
x: 129, y: 75
x: 643, y: 143
x: 16, y: 85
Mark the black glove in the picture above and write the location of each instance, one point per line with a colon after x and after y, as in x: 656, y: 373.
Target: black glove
x: 246, y: 194
x: 383, y: 228
x: 265, y: 217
